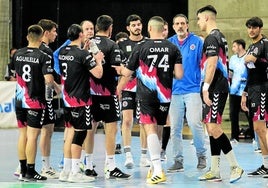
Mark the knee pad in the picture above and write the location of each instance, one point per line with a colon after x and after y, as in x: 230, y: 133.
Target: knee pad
x: 79, y: 137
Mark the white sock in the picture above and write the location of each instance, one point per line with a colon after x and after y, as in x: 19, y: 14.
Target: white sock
x: 127, y: 149
x: 89, y: 161
x: 265, y: 161
x: 231, y: 158
x: 110, y: 162
x: 154, y: 150
x: 45, y: 162
x: 215, y: 164
x: 67, y: 164
x: 75, y: 166
x: 128, y: 154
x: 143, y: 152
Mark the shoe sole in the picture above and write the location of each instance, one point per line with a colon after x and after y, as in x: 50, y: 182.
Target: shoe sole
x: 211, y: 180
x: 115, y: 178
x: 33, y: 180
x: 162, y: 181
x: 201, y: 168
x: 49, y: 176
x: 173, y: 171
x: 260, y: 175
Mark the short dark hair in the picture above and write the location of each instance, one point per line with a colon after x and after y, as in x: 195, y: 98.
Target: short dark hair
x: 47, y: 24
x: 103, y: 22
x: 35, y: 29
x: 240, y: 42
x: 73, y: 32
x: 120, y: 35
x: 131, y: 18
x: 254, y: 22
x: 207, y: 8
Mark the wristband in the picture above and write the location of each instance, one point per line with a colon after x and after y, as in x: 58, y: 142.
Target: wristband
x: 205, y: 86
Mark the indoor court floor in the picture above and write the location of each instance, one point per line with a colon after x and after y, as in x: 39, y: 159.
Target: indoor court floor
x: 189, y: 178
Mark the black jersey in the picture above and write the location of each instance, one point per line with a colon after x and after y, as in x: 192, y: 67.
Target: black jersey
x: 31, y: 64
x: 106, y: 85
x: 153, y: 61
x: 45, y: 48
x: 259, y: 74
x: 127, y: 46
x: 75, y: 64
x: 215, y: 44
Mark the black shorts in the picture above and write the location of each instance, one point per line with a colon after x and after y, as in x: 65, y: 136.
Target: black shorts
x: 50, y: 115
x: 153, y: 113
x: 30, y: 117
x: 105, y: 108
x: 258, y: 103
x: 78, y: 117
x: 213, y: 113
x: 128, y: 100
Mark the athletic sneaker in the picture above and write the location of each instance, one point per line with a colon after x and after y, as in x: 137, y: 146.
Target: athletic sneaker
x: 236, y: 174
x: 129, y: 162
x: 144, y: 162
x: 116, y: 174
x: 79, y: 178
x: 202, y: 162
x: 262, y: 171
x: 21, y: 177
x: 91, y: 173
x: 157, y: 179
x: 149, y: 173
x: 17, y: 171
x: 163, y: 155
x: 176, y: 167
x: 210, y: 176
x: 257, y: 150
x: 64, y: 176
x: 34, y: 177
x: 50, y: 173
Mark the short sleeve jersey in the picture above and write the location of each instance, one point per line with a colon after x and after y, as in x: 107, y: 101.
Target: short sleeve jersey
x: 153, y: 61
x: 240, y: 74
x: 31, y: 64
x: 75, y: 64
x: 45, y: 48
x: 259, y: 74
x: 215, y: 44
x: 127, y: 47
x: 106, y: 85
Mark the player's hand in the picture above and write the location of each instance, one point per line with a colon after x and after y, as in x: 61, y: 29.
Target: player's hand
x: 244, y: 103
x: 206, y: 98
x: 86, y: 44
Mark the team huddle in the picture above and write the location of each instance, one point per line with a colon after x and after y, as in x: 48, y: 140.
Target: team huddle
x: 151, y: 80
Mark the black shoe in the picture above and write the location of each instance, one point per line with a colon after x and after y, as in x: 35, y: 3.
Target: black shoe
x: 34, y: 177
x: 262, y: 171
x: 118, y: 149
x: 92, y: 173
x: 116, y: 174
